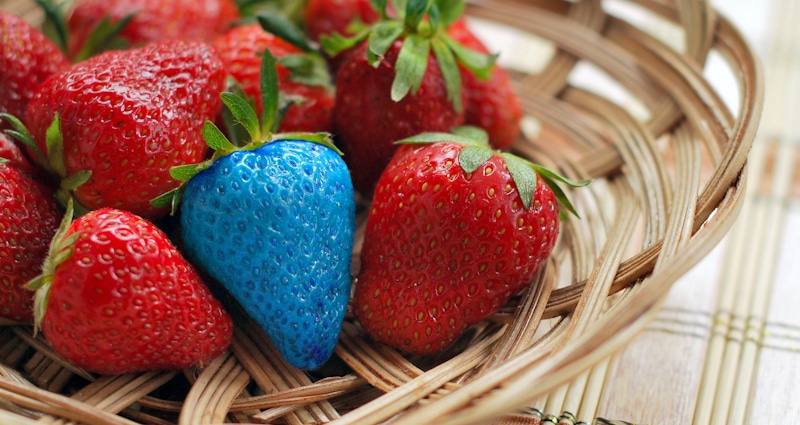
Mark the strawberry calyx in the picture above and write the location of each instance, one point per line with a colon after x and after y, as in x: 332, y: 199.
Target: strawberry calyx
x: 61, y: 248
x: 52, y: 160
x: 307, y: 68
x: 524, y: 173
x: 260, y: 131
x: 104, y: 36
x: 421, y: 24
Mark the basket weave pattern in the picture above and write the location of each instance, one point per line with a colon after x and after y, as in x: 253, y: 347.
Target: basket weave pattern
x: 669, y: 175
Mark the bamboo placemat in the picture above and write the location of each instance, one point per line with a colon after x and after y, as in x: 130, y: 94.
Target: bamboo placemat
x: 699, y: 362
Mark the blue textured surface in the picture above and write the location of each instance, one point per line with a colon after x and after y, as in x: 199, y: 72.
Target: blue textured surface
x: 275, y: 226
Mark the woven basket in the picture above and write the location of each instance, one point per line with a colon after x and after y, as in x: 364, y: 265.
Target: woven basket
x: 668, y: 157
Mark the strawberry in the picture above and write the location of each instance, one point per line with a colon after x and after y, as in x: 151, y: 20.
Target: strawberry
x: 273, y: 222
x: 329, y: 18
x: 403, y: 80
x: 29, y: 217
x: 14, y: 155
x: 454, y: 231
x: 311, y: 108
x: 152, y: 20
x: 126, y: 117
x: 302, y: 76
x: 491, y: 104
x: 117, y: 297
x: 27, y: 58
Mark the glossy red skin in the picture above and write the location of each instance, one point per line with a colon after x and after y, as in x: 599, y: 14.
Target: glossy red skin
x: 443, y: 250
x: 10, y: 151
x: 27, y: 58
x: 491, y: 104
x: 129, y: 116
x: 29, y: 217
x: 367, y: 121
x: 127, y: 301
x: 313, y: 111
x: 155, y: 20
x: 241, y: 51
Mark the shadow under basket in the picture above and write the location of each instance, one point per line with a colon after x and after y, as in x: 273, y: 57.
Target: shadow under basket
x: 614, y: 91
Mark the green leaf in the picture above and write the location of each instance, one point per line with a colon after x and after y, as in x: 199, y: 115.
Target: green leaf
x: 552, y: 179
x: 474, y: 133
x: 61, y: 247
x: 170, y: 199
x: 21, y: 133
x: 104, y: 36
x: 55, y: 147
x: 236, y: 132
x: 412, y: 61
x: 552, y: 175
x: 335, y: 43
x: 415, y: 12
x: 243, y: 113
x: 450, y: 11
x: 216, y: 139
x: 437, y: 137
x: 450, y: 72
x: 186, y: 172
x: 479, y: 63
x: 75, y: 180
x: 380, y: 7
x: 381, y: 39
x: 285, y: 29
x: 472, y: 157
x: 524, y: 178
x: 55, y: 23
x: 308, y: 69
x: 434, y: 21
x: 322, y: 138
x: 270, y: 95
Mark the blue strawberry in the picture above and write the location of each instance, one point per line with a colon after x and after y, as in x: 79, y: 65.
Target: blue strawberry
x: 274, y: 222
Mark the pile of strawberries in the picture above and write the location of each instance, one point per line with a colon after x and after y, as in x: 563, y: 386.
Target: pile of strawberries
x: 105, y: 116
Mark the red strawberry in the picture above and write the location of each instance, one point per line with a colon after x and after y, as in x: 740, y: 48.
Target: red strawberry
x: 491, y: 104
x: 454, y: 231
x: 127, y: 117
x: 241, y: 50
x: 154, y: 20
x: 27, y: 58
x: 29, y: 217
x: 117, y: 297
x: 404, y: 79
x: 367, y: 121
x: 15, y: 157
x: 312, y: 108
x: 326, y: 17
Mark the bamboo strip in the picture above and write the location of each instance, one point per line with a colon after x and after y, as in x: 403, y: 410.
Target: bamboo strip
x: 115, y: 393
x: 774, y: 213
x: 44, y: 349
x: 211, y: 396
x: 44, y: 401
x: 11, y: 418
x: 712, y: 370
x: 323, y: 389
